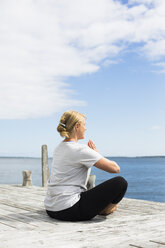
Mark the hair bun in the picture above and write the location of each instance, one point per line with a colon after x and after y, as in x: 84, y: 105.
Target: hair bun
x: 68, y: 121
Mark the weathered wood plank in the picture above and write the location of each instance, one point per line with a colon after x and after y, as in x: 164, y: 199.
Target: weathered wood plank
x: 36, y: 190
x: 5, y: 227
x: 16, y: 217
x: 135, y: 222
x: 22, y: 205
x: 25, y: 197
x: 45, y: 165
x: 158, y: 242
x: 148, y: 244
x: 28, y: 216
x: 11, y: 222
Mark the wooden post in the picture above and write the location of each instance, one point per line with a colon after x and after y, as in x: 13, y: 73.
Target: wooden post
x: 45, y: 166
x: 91, y: 182
x: 27, y: 181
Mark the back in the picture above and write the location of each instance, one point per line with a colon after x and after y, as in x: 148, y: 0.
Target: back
x: 69, y: 175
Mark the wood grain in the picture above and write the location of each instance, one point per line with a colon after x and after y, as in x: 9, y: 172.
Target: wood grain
x: 24, y: 223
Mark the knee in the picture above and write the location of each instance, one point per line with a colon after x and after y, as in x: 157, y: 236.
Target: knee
x: 122, y: 182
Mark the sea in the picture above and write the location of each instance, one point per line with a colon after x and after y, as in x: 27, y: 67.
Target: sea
x: 145, y: 175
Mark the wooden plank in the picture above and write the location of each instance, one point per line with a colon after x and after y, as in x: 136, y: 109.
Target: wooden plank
x: 16, y: 217
x: 33, y: 192
x: 31, y: 189
x: 5, y: 227
x: 158, y: 242
x: 22, y: 206
x: 14, y: 209
x: 148, y: 244
x: 11, y: 222
x: 23, y: 198
x: 39, y: 200
x: 133, y: 245
x: 133, y: 207
x: 35, y: 218
x: 134, y: 222
x: 26, y: 198
x: 142, y: 206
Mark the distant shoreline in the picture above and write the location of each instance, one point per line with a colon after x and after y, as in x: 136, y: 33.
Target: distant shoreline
x: 156, y: 156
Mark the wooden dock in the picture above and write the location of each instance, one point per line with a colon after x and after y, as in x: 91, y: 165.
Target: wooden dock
x: 24, y: 223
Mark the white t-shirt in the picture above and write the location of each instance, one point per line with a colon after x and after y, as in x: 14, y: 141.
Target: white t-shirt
x: 71, y: 167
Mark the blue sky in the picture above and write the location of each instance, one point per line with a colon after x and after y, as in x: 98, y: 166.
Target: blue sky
x: 116, y: 80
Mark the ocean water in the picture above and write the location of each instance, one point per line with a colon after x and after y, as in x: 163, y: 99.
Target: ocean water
x: 145, y: 175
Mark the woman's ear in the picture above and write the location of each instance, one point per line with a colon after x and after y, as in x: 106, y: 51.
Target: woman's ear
x: 77, y: 125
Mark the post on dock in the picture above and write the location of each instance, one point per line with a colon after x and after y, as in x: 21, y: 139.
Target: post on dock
x: 27, y: 180
x: 91, y: 182
x: 45, y: 165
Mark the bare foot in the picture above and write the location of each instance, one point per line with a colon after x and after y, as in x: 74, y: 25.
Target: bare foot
x: 109, y: 209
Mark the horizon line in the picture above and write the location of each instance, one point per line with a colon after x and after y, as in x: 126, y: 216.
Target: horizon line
x: 143, y: 156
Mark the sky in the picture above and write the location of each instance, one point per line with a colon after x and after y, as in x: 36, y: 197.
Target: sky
x: 103, y: 58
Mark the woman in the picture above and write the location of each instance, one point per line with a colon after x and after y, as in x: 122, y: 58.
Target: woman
x: 67, y: 197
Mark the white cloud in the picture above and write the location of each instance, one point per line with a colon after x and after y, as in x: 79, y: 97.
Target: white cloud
x: 162, y: 66
x: 155, y: 127
x: 155, y: 49
x: 44, y: 42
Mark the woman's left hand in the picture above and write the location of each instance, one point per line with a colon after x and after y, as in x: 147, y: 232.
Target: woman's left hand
x: 92, y: 145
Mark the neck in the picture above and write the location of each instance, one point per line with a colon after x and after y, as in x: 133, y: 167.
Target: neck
x: 71, y: 139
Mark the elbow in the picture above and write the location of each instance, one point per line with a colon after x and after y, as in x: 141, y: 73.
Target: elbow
x: 117, y: 169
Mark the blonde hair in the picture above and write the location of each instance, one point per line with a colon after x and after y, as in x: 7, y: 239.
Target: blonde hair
x: 67, y: 122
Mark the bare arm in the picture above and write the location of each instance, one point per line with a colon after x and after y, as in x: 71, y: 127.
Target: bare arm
x: 107, y: 165
x: 104, y: 163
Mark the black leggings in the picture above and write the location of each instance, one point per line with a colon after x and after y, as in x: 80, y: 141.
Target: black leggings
x: 93, y: 201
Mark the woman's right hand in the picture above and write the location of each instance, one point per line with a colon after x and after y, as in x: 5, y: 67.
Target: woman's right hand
x: 104, y: 163
x: 92, y: 145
